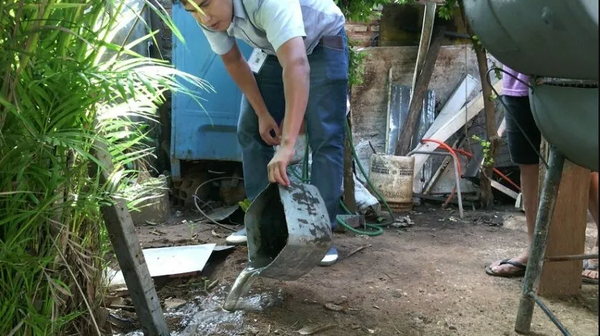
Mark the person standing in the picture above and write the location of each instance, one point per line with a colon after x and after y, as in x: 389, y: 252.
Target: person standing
x: 298, y: 72
x: 520, y: 125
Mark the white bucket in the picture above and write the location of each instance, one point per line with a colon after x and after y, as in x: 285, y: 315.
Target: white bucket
x: 393, y: 177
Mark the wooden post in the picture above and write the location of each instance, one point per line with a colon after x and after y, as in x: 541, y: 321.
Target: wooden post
x: 486, y: 197
x: 416, y: 102
x: 129, y: 254
x: 567, y: 232
x: 424, y: 42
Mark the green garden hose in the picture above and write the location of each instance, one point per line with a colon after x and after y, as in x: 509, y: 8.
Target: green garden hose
x: 373, y: 229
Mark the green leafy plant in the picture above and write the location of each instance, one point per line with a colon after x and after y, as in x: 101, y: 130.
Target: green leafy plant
x: 356, y: 68
x: 446, y: 10
x: 245, y: 204
x: 488, y: 160
x: 360, y: 10
x: 70, y: 90
x: 497, y: 71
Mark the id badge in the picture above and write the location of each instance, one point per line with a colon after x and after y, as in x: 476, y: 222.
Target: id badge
x: 257, y: 60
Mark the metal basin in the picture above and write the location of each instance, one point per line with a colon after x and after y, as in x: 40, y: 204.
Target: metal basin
x: 556, y: 40
x: 568, y: 119
x: 288, y: 231
x: 548, y: 38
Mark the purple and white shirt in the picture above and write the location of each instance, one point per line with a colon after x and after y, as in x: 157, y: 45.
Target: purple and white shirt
x: 511, y: 86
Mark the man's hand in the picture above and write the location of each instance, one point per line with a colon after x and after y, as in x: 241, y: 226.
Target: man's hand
x: 277, y: 168
x: 266, y: 124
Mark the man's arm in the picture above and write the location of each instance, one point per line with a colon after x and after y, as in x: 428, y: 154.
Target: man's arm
x: 284, y: 26
x: 296, y: 82
x: 242, y: 75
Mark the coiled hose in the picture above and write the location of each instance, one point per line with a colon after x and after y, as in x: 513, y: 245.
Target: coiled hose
x: 372, y: 229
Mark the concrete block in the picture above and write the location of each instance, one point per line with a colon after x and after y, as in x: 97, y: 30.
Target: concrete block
x: 155, y: 209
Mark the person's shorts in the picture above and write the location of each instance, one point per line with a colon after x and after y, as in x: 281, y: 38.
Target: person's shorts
x: 519, y: 121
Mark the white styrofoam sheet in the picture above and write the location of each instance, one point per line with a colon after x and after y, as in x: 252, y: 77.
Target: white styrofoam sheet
x: 170, y: 261
x: 177, y: 259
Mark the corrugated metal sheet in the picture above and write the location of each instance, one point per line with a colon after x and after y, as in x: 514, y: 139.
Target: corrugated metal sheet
x: 400, y: 101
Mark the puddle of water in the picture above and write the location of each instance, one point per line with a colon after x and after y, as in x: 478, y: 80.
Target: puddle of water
x: 213, y: 319
x: 206, y: 316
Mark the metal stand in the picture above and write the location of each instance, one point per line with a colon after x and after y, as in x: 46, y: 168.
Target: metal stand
x: 456, y: 176
x: 537, y: 249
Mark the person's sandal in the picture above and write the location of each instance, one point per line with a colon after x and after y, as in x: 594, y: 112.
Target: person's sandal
x: 589, y: 267
x: 518, y: 273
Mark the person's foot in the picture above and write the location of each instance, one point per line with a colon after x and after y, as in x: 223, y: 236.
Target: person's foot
x: 237, y: 238
x: 590, y: 269
x: 330, y: 257
x: 508, y: 268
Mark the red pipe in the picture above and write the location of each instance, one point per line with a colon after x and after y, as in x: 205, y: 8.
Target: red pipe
x: 449, y: 149
x: 502, y: 176
x: 469, y: 155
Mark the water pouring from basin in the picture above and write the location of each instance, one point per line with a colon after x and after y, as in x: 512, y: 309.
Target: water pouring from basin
x: 241, y: 285
x: 288, y: 232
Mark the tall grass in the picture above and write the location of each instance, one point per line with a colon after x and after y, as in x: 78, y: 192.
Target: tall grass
x: 68, y: 89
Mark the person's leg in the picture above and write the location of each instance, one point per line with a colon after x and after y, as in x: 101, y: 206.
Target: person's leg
x: 256, y: 154
x: 325, y: 117
x: 593, y: 203
x: 519, y: 119
x: 591, y: 266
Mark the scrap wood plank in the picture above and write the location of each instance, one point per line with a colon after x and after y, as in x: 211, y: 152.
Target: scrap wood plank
x: 445, y: 131
x: 457, y: 100
x: 505, y: 190
x: 425, y: 121
x: 129, y: 254
x: 414, y: 111
x: 443, y: 199
x: 425, y: 41
x: 567, y: 231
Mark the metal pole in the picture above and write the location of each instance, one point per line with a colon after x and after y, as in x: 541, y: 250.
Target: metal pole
x: 457, y: 178
x: 550, y: 315
x: 572, y: 257
x: 540, y: 240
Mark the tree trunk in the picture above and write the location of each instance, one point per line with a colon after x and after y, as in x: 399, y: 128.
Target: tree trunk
x: 486, y: 197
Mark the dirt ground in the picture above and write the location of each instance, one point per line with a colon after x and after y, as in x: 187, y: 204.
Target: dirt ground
x: 428, y: 279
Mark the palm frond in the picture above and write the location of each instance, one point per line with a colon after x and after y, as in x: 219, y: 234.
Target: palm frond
x: 72, y: 81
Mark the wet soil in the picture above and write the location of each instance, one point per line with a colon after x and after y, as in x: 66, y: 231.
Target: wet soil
x: 428, y: 279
